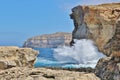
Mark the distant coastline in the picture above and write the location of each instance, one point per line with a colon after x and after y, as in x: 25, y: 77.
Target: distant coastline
x: 49, y: 40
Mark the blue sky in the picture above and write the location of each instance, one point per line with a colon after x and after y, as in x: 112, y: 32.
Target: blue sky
x: 21, y: 19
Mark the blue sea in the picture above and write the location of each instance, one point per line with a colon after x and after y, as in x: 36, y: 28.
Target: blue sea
x: 82, y: 54
x: 45, y: 58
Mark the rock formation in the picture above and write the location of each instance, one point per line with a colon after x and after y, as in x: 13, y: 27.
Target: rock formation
x: 16, y: 57
x: 20, y: 73
x: 99, y: 23
x: 108, y: 69
x: 49, y: 40
x: 17, y: 64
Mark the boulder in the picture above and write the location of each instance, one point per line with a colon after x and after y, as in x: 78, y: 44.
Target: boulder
x: 14, y: 56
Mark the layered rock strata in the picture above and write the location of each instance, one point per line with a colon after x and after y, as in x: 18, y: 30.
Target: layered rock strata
x: 100, y: 24
x: 49, y: 40
x: 108, y: 69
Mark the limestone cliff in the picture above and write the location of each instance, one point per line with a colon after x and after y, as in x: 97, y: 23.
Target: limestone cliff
x: 49, y: 40
x: 108, y: 69
x: 99, y: 23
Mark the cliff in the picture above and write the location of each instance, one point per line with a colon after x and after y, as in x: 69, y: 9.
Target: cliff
x: 99, y: 23
x: 49, y: 40
x: 108, y: 69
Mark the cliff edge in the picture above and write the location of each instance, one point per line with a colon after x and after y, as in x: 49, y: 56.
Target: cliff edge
x: 99, y: 23
x: 49, y: 40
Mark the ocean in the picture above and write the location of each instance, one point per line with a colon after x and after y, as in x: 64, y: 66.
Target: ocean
x: 82, y: 54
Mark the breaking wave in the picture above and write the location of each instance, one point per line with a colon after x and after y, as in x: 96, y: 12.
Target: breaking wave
x: 82, y: 54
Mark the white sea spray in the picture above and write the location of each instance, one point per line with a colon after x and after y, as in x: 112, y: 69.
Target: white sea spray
x: 83, y: 52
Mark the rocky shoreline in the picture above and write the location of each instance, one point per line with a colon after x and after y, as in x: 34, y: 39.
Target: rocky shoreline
x: 25, y: 73
x: 100, y: 23
x: 23, y: 68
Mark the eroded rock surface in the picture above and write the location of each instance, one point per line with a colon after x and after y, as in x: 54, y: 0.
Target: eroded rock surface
x: 17, y: 64
x: 49, y: 40
x: 100, y: 23
x: 15, y: 56
x: 20, y: 73
x: 108, y: 68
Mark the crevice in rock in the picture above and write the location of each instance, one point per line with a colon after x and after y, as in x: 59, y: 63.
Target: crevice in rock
x: 49, y: 76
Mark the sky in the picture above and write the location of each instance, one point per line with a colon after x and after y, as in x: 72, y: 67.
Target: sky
x: 22, y: 19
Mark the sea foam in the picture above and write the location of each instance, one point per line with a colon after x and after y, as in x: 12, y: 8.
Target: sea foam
x: 83, y: 54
